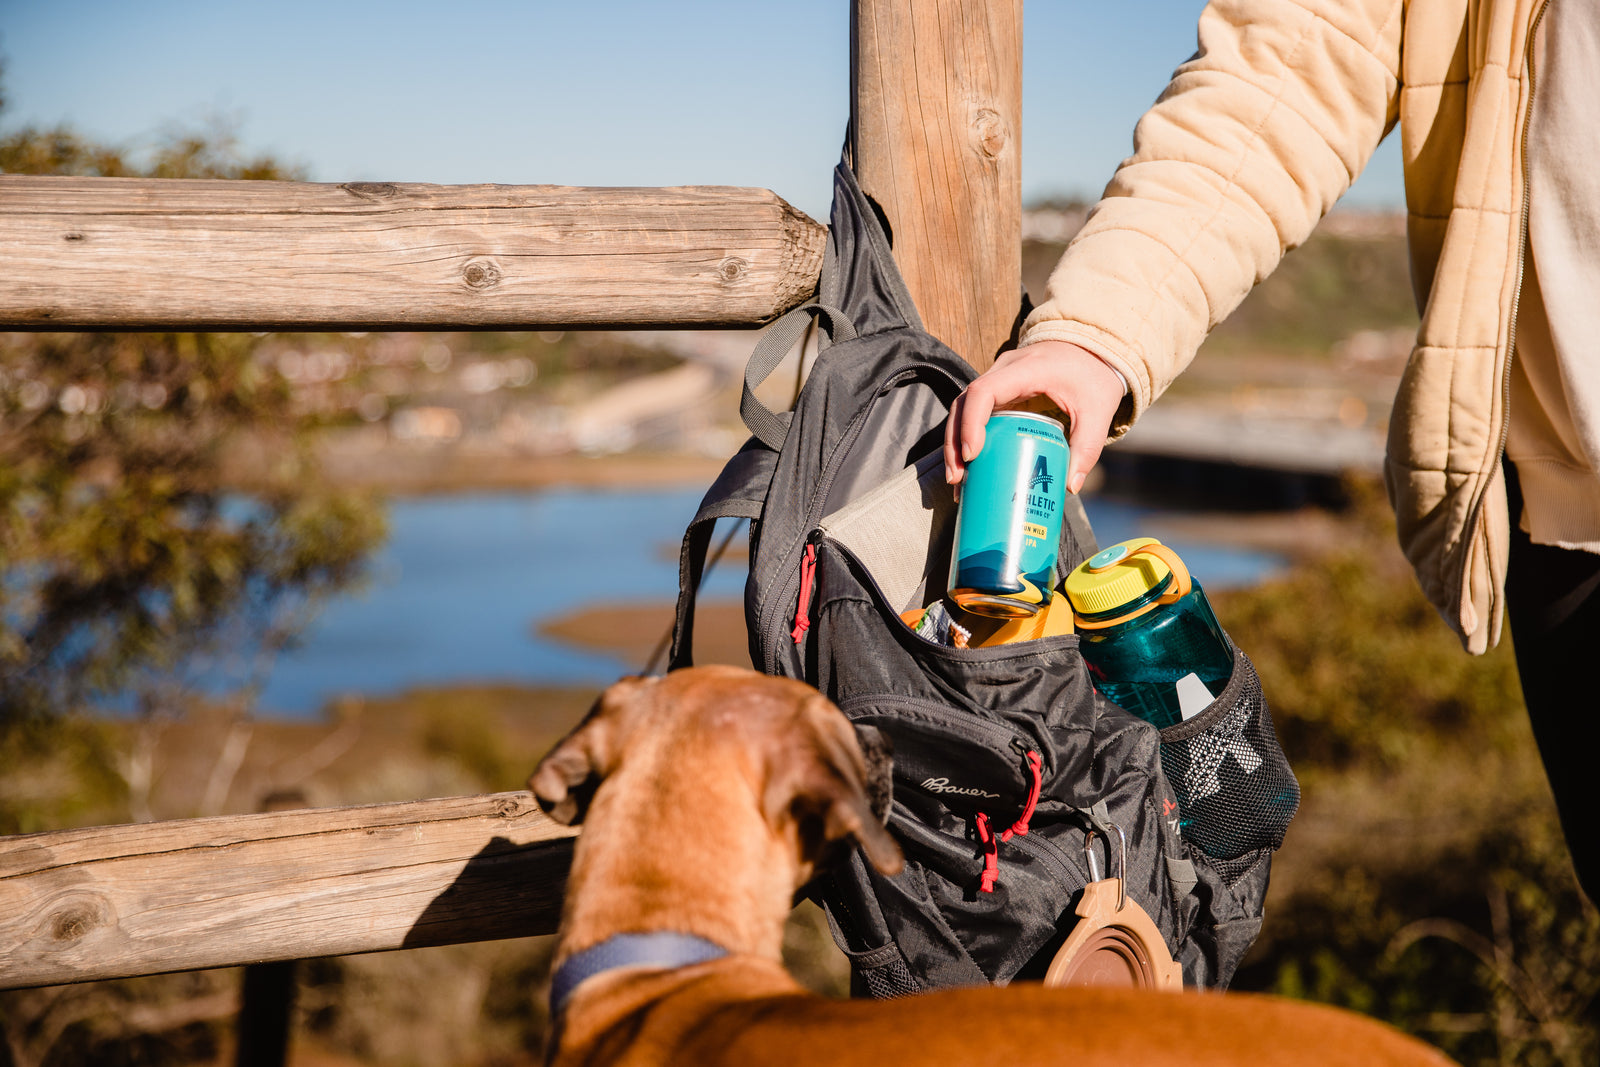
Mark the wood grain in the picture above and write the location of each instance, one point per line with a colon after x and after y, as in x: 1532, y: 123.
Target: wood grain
x: 115, y: 901
x: 936, y: 109
x: 140, y: 254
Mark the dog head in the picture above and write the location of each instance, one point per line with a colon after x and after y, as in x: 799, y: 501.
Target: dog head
x: 802, y: 760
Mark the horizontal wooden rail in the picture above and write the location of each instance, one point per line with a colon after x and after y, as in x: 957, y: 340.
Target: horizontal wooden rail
x: 115, y: 901
x: 156, y: 254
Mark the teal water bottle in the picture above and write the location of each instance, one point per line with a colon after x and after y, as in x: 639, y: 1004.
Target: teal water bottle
x: 1147, y: 632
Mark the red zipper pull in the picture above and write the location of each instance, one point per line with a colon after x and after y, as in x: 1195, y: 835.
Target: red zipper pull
x: 1020, y: 827
x: 808, y: 578
x: 991, y: 855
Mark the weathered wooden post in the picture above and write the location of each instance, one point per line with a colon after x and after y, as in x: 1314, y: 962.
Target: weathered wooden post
x: 262, y: 1031
x: 936, y: 110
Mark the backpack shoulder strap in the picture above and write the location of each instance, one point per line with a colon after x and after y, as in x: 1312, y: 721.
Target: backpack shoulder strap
x: 740, y: 492
x: 860, y: 292
x: 771, y: 427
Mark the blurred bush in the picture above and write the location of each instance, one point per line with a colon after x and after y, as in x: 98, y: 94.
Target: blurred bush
x: 1366, y: 671
x: 1426, y: 880
x: 123, y: 551
x: 125, y: 555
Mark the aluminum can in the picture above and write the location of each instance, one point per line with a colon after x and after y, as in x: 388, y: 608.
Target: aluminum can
x: 1008, y: 529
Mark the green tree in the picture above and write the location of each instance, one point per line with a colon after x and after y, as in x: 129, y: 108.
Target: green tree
x: 124, y: 549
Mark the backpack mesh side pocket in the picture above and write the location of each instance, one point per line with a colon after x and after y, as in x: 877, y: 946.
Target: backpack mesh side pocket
x: 881, y: 974
x: 1236, y: 793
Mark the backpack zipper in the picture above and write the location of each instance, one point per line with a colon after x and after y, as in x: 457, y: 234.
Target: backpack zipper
x: 808, y: 579
x: 1064, y: 864
x: 1015, y: 832
x: 981, y: 730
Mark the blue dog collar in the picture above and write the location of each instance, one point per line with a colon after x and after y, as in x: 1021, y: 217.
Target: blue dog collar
x: 659, y: 949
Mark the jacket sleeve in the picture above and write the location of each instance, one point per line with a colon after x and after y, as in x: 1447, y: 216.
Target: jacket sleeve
x: 1250, y: 144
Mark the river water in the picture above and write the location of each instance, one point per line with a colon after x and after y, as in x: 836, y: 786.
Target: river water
x: 459, y: 590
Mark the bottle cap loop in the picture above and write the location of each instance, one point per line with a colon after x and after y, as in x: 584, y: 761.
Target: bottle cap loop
x: 1117, y: 584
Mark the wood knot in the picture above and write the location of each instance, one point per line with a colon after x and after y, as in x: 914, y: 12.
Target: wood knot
x: 78, y: 919
x: 73, y: 237
x: 371, y: 190
x: 507, y: 807
x: 990, y: 132
x: 480, y: 274
x: 732, y: 269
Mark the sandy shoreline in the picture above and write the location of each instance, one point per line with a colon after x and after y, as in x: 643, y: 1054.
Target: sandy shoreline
x: 407, y: 472
x: 634, y: 631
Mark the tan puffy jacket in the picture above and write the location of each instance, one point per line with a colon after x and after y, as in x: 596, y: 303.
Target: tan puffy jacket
x: 1249, y: 146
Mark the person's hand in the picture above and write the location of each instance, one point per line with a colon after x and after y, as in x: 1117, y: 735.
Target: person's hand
x: 1077, y: 381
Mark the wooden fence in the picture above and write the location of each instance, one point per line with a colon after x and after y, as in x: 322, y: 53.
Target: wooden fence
x: 936, y: 107
x: 154, y: 254
x: 115, y: 901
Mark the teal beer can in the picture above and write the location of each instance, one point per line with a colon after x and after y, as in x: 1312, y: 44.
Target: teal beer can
x: 1009, y: 524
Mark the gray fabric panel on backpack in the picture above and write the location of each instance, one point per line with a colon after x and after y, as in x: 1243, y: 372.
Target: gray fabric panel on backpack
x: 848, y: 383
x: 901, y: 532
x: 905, y: 425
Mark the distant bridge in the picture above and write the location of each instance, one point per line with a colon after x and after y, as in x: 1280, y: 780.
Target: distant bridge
x: 1202, y: 455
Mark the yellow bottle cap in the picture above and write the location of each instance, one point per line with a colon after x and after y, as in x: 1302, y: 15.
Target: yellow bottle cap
x: 1115, y: 577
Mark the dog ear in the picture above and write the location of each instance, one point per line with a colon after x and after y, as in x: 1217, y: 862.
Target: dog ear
x: 877, y: 748
x: 826, y: 790
x: 565, y: 780
x: 851, y: 817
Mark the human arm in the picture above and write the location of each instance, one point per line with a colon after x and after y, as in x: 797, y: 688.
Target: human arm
x: 1252, y: 142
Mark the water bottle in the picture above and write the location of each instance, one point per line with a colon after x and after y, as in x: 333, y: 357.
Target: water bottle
x: 1147, y: 632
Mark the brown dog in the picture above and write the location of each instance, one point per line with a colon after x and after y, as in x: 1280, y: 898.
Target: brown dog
x: 719, y: 790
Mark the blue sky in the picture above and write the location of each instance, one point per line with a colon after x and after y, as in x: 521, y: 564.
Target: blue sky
x: 605, y: 92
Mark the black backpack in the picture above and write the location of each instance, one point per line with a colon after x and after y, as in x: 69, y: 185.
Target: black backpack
x: 1005, y: 758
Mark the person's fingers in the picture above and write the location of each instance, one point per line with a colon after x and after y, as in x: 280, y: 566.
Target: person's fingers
x: 952, y: 436
x: 979, y: 404
x: 1085, y: 389
x: 964, y: 432
x: 974, y: 420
